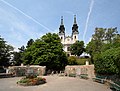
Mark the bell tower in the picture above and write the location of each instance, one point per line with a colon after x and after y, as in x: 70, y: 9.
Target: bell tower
x: 62, y: 31
x: 75, y: 30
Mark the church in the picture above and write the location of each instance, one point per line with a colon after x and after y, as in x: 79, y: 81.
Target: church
x: 67, y: 41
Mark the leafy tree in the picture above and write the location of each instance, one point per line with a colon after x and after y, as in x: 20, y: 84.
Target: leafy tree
x: 91, y: 49
x: 98, y: 42
x: 30, y: 42
x: 108, y: 62
x: 77, y: 48
x: 46, y: 51
x: 110, y: 34
x: 17, y: 58
x: 22, y: 48
x: 98, y: 38
x: 5, y: 52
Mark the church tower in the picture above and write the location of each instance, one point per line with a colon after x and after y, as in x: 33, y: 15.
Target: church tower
x: 75, y: 30
x: 67, y: 41
x: 62, y: 31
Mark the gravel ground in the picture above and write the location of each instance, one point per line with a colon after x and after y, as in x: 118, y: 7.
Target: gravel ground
x: 54, y: 83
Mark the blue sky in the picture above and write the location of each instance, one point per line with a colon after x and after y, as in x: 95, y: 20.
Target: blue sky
x: 21, y: 20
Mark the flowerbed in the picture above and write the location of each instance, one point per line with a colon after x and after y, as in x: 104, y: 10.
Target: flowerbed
x: 31, y: 81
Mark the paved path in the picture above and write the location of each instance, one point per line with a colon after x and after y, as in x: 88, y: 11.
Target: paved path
x: 54, y: 83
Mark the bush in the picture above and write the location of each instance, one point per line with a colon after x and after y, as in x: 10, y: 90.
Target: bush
x: 72, y: 60
x: 81, y: 61
x: 108, y: 62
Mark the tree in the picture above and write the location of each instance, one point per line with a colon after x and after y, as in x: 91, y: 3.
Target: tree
x: 110, y: 34
x: 108, y: 62
x: 22, y: 49
x: 17, y: 58
x: 5, y: 52
x: 46, y: 51
x: 29, y: 43
x: 96, y: 43
x: 77, y: 48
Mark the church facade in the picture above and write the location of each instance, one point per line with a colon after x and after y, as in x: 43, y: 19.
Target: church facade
x: 67, y: 41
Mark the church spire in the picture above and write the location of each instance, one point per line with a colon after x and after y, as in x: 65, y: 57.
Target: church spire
x: 61, y: 28
x: 75, y: 19
x: 61, y: 20
x: 75, y: 26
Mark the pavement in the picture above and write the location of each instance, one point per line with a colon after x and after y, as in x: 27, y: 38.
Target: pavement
x: 54, y: 83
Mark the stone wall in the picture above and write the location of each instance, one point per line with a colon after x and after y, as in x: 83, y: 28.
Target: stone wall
x: 22, y: 70
x: 80, y: 69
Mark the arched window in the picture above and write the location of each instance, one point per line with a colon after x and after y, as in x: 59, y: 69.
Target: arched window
x: 75, y: 37
x: 68, y: 55
x: 61, y: 38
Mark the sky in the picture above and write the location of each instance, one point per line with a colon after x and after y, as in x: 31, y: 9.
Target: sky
x: 22, y: 20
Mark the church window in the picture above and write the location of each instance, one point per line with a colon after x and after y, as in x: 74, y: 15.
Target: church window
x: 75, y: 37
x: 68, y: 55
x: 61, y: 38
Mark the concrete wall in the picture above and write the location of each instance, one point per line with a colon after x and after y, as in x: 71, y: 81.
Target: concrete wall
x: 80, y: 69
x: 22, y: 70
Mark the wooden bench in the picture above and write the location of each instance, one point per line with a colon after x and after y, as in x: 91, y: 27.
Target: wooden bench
x: 72, y: 75
x: 99, y: 80
x: 114, y: 86
x: 5, y: 75
x: 84, y: 76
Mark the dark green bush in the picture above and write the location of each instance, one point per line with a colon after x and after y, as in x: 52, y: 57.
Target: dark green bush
x: 108, y: 62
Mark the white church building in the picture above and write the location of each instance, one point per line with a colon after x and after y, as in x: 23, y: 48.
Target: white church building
x: 67, y: 41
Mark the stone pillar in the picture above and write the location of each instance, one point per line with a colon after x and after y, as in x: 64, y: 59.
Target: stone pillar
x: 87, y: 62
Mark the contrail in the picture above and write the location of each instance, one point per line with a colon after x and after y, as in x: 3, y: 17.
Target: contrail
x: 26, y: 15
x: 88, y: 17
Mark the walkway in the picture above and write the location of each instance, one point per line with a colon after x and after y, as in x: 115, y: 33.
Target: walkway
x: 54, y: 83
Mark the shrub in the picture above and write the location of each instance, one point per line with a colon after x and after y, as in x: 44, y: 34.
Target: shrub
x: 72, y: 60
x: 108, y: 62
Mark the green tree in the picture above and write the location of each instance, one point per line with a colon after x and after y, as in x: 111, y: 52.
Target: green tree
x: 5, y: 53
x: 46, y: 51
x: 17, y: 58
x: 77, y: 48
x: 96, y: 43
x: 108, y: 62
x: 110, y: 34
x: 29, y: 43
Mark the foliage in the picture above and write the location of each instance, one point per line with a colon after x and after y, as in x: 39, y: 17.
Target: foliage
x: 110, y: 34
x: 5, y: 53
x: 82, y: 61
x: 17, y: 58
x: 108, y: 62
x: 72, y: 60
x: 102, y: 40
x: 77, y: 48
x: 46, y: 51
x: 30, y: 42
